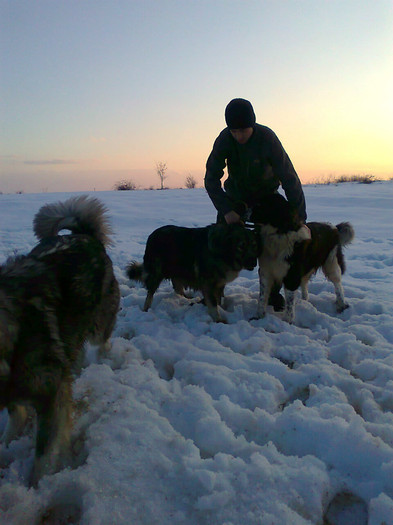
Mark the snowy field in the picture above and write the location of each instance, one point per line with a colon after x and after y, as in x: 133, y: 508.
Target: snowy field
x: 251, y: 422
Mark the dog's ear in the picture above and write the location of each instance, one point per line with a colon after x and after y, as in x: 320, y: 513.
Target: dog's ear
x: 216, y: 238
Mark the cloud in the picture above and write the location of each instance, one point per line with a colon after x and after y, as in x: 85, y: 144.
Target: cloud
x: 51, y: 162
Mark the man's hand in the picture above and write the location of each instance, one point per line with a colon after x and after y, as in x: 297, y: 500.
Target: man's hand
x: 232, y: 217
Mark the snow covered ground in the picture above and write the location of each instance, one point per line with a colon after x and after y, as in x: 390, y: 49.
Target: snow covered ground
x: 251, y: 422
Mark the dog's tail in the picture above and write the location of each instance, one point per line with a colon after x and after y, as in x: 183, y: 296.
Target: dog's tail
x: 346, y: 233
x: 135, y: 271
x: 81, y: 214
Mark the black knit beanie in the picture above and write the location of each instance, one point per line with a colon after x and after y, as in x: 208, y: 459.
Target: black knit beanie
x: 239, y: 114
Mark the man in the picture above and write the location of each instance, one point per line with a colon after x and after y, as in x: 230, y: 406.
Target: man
x: 257, y: 165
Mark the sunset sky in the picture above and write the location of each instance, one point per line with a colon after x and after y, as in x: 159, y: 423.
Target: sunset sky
x: 95, y: 91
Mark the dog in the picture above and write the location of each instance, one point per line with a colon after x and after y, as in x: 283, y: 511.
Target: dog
x: 292, y: 252
x: 51, y: 301
x: 204, y: 259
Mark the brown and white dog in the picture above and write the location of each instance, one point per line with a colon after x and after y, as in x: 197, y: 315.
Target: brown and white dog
x: 292, y: 253
x: 204, y: 259
x: 51, y: 301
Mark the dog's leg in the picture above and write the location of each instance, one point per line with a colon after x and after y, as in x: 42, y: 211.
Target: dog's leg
x: 106, y: 318
x: 148, y: 301
x: 289, y: 312
x: 104, y: 348
x: 101, y: 339
x: 341, y: 304
x: 178, y: 287
x: 220, y: 294
x: 304, y: 285
x: 304, y: 288
x: 265, y: 287
x: 152, y: 283
x: 54, y: 419
x: 17, y: 417
x: 210, y: 299
x: 332, y: 271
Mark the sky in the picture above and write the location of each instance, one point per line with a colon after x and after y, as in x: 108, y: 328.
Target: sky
x: 95, y: 92
x: 253, y: 422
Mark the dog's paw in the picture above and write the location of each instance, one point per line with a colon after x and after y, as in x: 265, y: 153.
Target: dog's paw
x: 288, y: 317
x: 341, y: 307
x: 261, y: 313
x: 257, y: 317
x: 196, y: 300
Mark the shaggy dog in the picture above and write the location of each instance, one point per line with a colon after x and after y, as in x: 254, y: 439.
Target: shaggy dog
x: 291, y: 253
x: 204, y: 259
x: 51, y: 301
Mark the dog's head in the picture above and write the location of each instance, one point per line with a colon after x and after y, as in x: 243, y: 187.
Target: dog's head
x: 276, y: 211
x: 235, y: 244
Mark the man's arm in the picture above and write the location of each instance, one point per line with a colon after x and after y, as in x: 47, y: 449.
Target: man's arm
x: 214, y: 172
x: 284, y: 170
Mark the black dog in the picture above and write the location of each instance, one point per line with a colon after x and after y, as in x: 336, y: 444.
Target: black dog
x: 204, y: 259
x: 293, y: 252
x: 51, y: 300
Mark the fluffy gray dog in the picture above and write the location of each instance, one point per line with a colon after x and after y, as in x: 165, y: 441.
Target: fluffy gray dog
x: 51, y: 301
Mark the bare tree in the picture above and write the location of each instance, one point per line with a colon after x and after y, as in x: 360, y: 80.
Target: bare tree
x: 190, y: 182
x: 160, y: 170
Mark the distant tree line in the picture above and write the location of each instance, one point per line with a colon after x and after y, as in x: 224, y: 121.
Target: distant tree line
x: 161, y: 168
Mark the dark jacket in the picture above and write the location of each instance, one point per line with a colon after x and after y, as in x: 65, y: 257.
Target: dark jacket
x: 255, y: 169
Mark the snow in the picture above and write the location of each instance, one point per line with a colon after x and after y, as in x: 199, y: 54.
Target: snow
x: 250, y: 422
